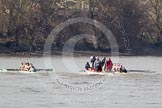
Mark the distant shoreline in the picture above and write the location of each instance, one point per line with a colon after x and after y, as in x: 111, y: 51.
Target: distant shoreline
x: 76, y: 53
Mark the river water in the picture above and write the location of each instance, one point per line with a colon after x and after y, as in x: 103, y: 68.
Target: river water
x: 67, y: 87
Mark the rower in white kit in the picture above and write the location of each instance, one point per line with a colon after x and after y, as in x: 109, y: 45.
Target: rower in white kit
x: 27, y: 67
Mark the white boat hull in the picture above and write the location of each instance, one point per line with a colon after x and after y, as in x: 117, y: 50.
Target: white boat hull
x: 28, y: 72
x: 18, y: 71
x: 104, y: 73
x: 4, y: 71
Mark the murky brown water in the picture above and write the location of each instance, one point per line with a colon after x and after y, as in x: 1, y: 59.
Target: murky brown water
x: 67, y: 88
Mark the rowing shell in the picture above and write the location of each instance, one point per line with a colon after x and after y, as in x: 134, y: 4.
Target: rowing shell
x: 18, y: 70
x: 104, y: 73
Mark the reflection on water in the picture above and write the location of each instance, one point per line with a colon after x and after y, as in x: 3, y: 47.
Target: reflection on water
x: 41, y: 90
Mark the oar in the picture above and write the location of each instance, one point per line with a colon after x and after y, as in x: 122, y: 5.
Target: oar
x: 44, y: 69
x: 5, y: 70
x: 142, y: 71
x: 13, y: 69
x: 134, y: 71
x: 82, y: 71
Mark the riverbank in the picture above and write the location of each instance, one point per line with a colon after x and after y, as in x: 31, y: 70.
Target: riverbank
x: 78, y: 53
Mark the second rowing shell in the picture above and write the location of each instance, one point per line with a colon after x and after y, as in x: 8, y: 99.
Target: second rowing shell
x: 26, y: 72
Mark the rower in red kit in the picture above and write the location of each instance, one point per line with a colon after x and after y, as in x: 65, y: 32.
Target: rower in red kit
x: 109, y: 65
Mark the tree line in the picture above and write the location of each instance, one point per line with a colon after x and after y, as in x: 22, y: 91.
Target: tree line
x: 25, y: 24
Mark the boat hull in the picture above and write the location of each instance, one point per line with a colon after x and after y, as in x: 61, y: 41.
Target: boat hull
x: 104, y: 73
x: 19, y: 71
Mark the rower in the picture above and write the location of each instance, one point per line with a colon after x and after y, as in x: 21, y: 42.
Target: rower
x: 116, y: 67
x: 87, y: 66
x: 119, y: 66
x: 109, y: 65
x: 103, y: 64
x: 26, y: 67
x: 123, y: 69
x: 93, y: 59
x: 32, y: 68
x: 98, y: 66
x: 22, y: 66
